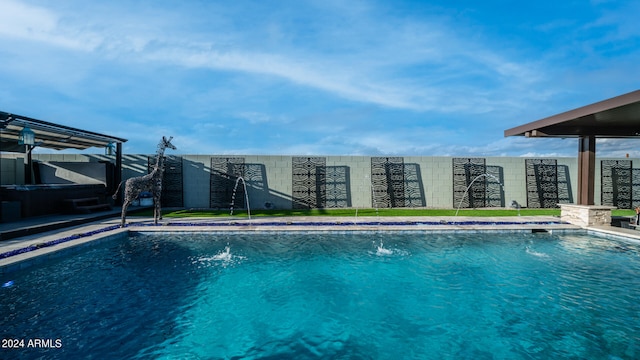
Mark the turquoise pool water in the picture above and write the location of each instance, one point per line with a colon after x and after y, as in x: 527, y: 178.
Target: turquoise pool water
x: 409, y: 295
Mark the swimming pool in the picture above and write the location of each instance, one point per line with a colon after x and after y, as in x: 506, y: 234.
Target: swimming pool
x: 369, y: 295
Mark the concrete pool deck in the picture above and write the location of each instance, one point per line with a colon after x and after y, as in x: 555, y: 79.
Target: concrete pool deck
x: 14, y: 253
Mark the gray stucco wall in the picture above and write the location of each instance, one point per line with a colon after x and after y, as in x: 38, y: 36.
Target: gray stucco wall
x: 274, y: 174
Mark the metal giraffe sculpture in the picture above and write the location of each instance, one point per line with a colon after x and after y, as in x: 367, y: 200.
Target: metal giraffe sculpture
x: 151, y: 182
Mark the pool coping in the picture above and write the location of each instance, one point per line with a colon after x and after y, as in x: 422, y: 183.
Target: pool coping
x: 23, y: 252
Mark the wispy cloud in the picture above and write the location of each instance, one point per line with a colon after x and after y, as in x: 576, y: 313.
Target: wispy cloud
x: 379, y: 73
x: 318, y: 76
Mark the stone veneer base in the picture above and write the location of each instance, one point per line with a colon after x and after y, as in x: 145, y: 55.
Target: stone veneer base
x: 586, y: 215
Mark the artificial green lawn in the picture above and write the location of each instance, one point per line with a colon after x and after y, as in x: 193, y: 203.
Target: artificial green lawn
x: 185, y: 213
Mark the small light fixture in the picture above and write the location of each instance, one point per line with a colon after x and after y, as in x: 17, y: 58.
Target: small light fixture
x: 110, y: 149
x: 26, y: 136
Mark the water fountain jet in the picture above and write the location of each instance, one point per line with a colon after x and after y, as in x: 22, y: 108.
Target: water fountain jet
x: 469, y: 186
x: 246, y: 195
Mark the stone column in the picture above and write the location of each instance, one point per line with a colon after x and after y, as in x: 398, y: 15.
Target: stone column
x: 586, y: 215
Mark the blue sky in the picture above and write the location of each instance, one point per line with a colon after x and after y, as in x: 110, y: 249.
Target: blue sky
x: 321, y: 77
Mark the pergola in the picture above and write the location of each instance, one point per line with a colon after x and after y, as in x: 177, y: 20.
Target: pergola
x: 53, y: 136
x: 617, y: 117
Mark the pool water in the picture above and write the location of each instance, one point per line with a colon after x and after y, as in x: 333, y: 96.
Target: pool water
x: 384, y: 295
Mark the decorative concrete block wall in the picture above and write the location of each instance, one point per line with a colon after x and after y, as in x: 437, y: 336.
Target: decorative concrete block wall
x: 12, y: 171
x: 426, y: 181
x: 196, y: 171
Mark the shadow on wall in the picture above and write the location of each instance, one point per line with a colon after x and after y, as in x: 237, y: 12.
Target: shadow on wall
x: 494, y: 187
x: 338, y: 187
x: 134, y: 165
x: 548, y: 184
x: 395, y: 184
x: 619, y: 184
x: 91, y: 170
x: 477, y: 185
x: 226, y: 188
x: 414, y: 195
x: 314, y: 184
x: 320, y: 187
x: 565, y: 192
x: 58, y: 172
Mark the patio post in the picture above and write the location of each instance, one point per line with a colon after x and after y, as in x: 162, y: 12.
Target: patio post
x: 118, y: 174
x: 586, y: 169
